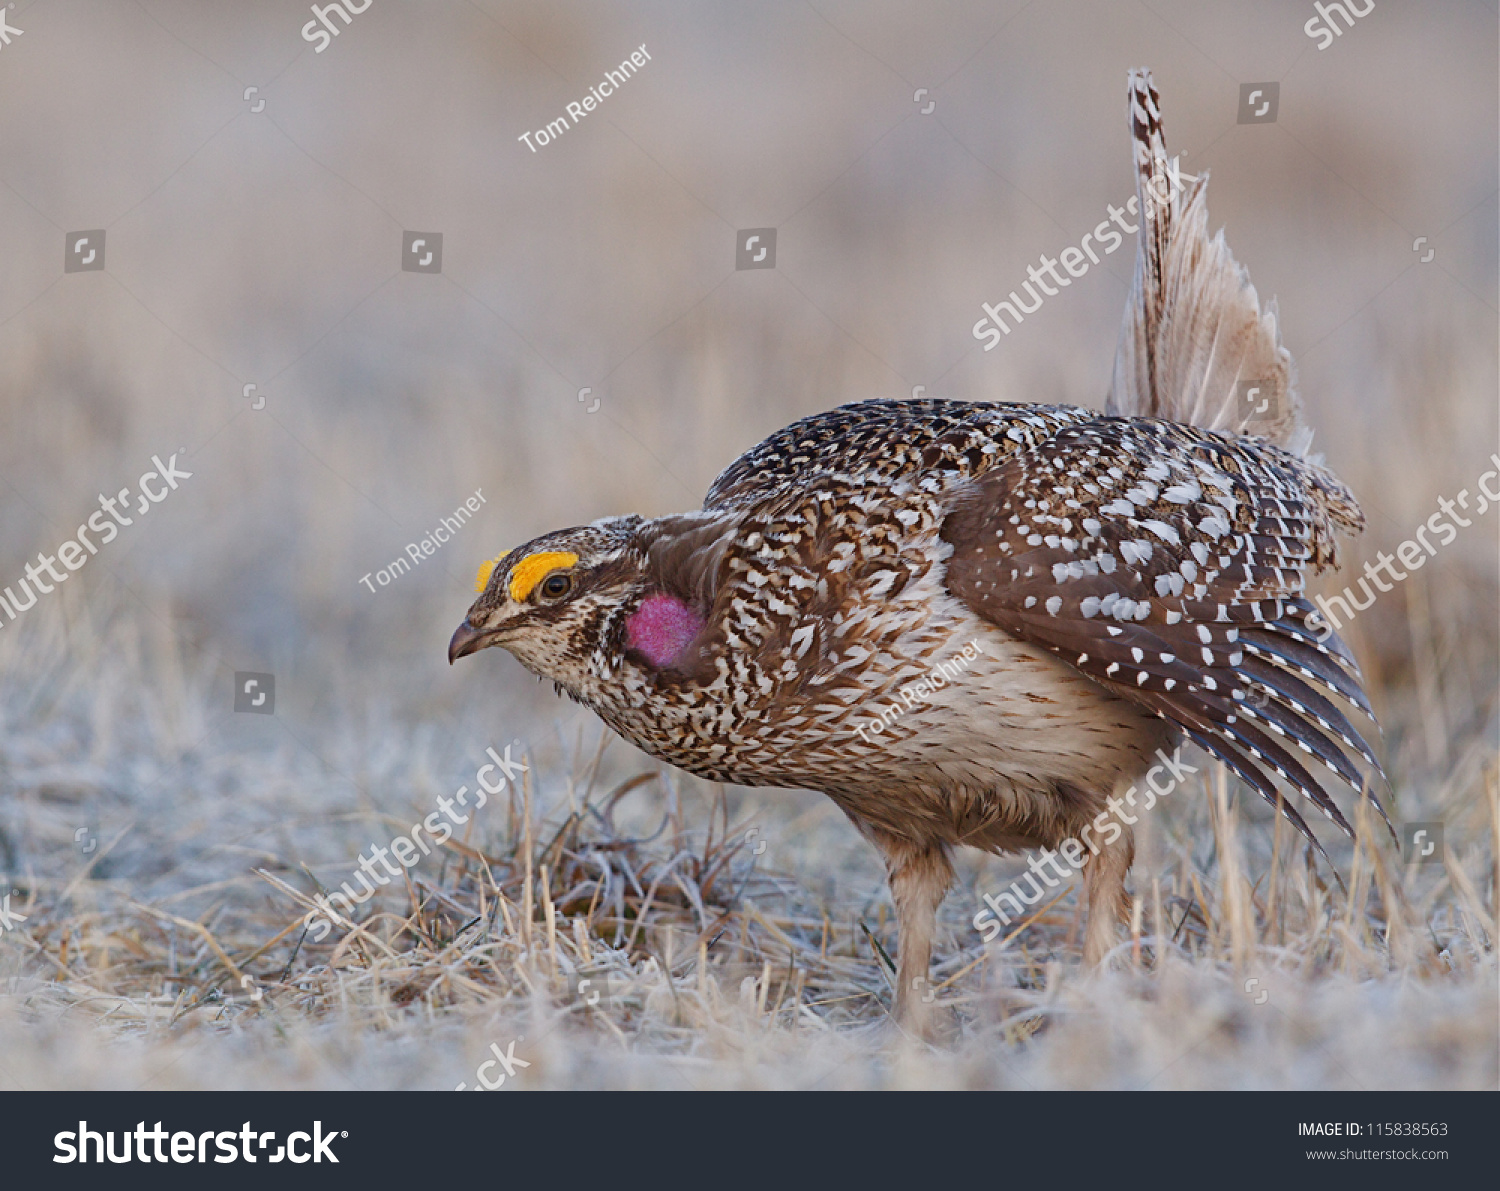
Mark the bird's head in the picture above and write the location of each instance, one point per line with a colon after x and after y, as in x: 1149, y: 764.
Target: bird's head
x: 558, y: 602
x: 579, y: 605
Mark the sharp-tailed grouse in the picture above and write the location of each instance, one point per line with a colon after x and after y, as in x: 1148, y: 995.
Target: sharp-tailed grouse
x: 1129, y: 579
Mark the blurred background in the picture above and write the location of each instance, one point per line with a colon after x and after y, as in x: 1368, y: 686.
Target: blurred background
x: 913, y: 160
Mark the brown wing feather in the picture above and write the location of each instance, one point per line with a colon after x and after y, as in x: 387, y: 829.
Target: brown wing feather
x: 1167, y: 563
x: 884, y: 441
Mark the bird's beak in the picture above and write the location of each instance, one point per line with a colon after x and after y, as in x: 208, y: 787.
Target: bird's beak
x: 466, y: 640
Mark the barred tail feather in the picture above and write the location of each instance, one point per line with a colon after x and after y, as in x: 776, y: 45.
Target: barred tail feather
x: 1195, y: 339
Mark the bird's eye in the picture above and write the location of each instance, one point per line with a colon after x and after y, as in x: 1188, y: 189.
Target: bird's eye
x: 556, y: 585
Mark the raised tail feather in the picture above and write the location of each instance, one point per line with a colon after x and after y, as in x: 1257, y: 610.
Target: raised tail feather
x: 1195, y: 340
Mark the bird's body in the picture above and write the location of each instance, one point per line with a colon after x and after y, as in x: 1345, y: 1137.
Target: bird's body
x: 823, y: 597
x: 967, y: 623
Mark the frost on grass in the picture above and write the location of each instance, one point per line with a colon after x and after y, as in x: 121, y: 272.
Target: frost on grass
x: 628, y: 927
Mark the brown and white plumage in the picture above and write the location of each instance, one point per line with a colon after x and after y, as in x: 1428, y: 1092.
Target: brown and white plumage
x: 1193, y: 327
x: 1124, y: 581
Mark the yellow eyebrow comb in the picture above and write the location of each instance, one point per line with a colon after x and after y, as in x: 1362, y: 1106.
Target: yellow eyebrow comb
x: 486, y: 569
x: 531, y: 570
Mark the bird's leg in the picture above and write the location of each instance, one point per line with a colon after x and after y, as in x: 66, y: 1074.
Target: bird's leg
x: 1104, y: 882
x: 919, y: 875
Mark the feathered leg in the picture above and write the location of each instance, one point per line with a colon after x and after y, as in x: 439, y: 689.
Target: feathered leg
x: 1109, y: 905
x: 919, y: 876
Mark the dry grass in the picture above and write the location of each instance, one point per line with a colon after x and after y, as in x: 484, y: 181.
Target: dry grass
x: 1245, y: 966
